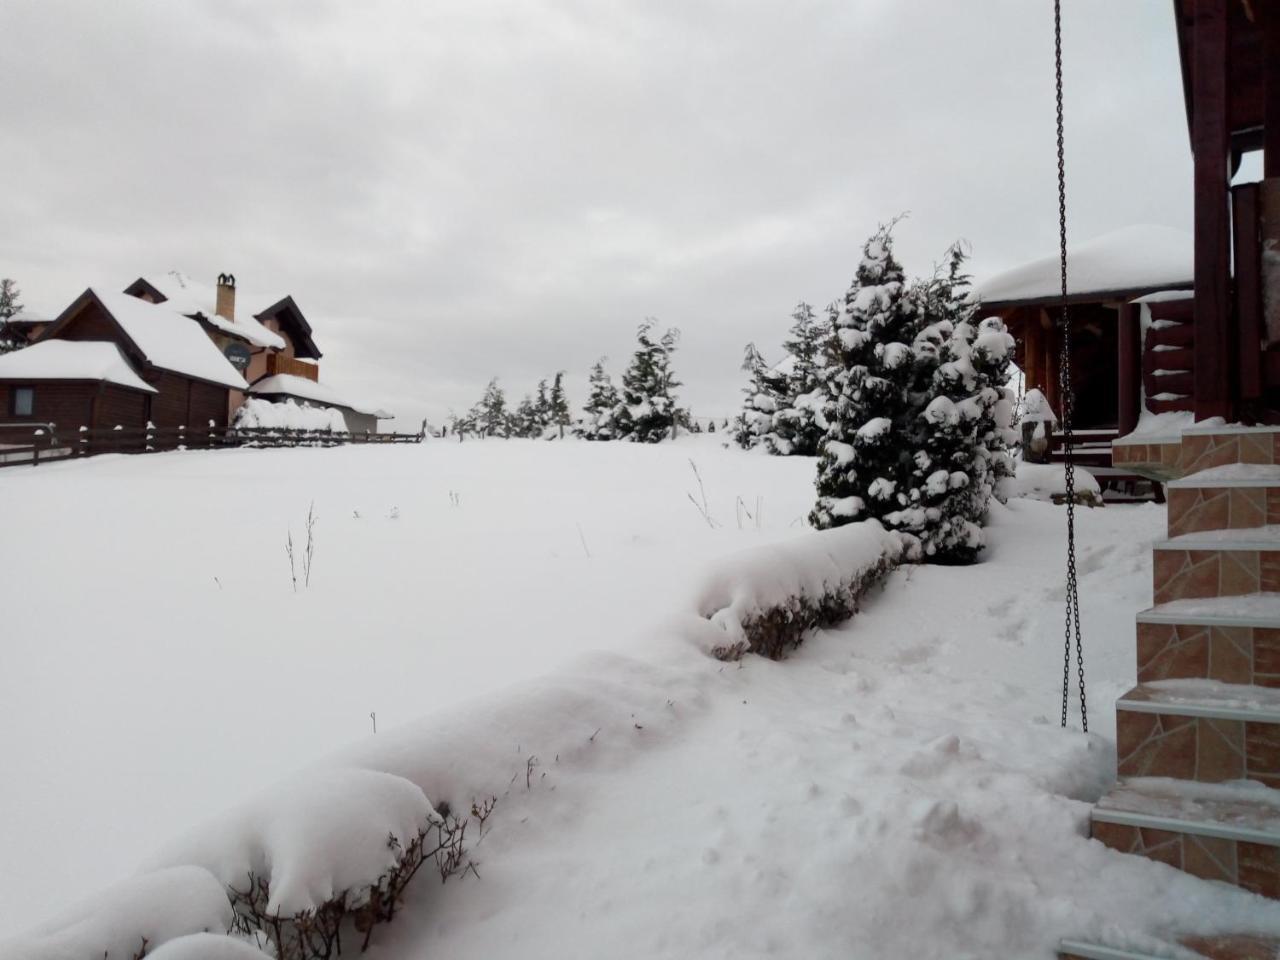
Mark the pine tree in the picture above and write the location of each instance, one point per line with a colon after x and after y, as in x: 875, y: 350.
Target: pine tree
x: 765, y: 394
x: 867, y: 448
x: 602, y: 402
x: 799, y: 423
x: 962, y: 450
x: 558, y: 406
x: 648, y: 411
x: 490, y: 415
x: 542, y: 408
x: 10, y: 305
x: 527, y: 419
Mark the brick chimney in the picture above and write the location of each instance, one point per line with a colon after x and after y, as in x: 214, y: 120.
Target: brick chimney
x: 225, y: 304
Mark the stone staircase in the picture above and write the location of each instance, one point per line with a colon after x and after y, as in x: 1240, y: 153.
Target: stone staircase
x: 1198, y: 738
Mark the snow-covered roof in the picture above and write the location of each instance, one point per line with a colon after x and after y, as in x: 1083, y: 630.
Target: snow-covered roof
x: 289, y: 385
x: 170, y: 340
x: 26, y: 317
x: 71, y: 360
x: 190, y: 297
x: 1142, y: 257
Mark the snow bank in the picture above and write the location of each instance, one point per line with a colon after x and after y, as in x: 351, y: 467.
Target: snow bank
x: 208, y: 946
x: 311, y: 838
x: 155, y: 907
x: 289, y: 415
x: 1045, y: 481
x: 766, y: 598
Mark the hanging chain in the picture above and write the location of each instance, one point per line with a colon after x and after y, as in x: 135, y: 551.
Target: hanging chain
x: 1072, y: 630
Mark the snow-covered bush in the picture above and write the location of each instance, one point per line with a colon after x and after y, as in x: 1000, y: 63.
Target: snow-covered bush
x: 130, y: 918
x: 766, y: 600
x: 329, y: 851
x: 210, y: 946
x: 647, y: 412
x: 256, y: 413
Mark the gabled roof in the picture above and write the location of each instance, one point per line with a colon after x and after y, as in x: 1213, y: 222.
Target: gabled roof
x: 193, y: 298
x: 197, y: 301
x: 300, y: 388
x: 1123, y: 264
x: 97, y: 360
x: 158, y: 335
x: 290, y: 318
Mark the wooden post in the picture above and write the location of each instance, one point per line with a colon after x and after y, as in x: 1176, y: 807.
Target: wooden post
x: 1270, y: 14
x: 1129, y: 367
x: 1248, y: 257
x: 1211, y: 145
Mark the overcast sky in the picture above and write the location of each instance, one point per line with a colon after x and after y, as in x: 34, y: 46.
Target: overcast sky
x: 459, y: 189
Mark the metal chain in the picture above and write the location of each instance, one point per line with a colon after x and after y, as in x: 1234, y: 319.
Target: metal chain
x: 1072, y: 630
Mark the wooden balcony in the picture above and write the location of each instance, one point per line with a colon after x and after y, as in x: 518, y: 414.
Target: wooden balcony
x: 279, y: 363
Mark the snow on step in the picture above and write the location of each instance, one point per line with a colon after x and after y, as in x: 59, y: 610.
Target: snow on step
x: 1239, y: 811
x: 1231, y: 475
x: 1204, y: 698
x: 1226, y: 947
x: 1241, y: 538
x: 1249, y: 610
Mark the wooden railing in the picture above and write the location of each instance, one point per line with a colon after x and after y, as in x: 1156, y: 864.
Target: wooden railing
x: 279, y: 363
x: 33, y: 447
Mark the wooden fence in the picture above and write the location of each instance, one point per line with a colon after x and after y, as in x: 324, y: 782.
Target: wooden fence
x: 34, y: 444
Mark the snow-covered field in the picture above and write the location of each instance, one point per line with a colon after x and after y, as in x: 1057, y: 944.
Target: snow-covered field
x: 899, y: 787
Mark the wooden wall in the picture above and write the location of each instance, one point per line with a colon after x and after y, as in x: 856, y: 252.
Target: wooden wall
x: 71, y: 405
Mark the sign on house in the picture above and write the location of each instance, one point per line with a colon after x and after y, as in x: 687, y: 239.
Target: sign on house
x: 238, y: 355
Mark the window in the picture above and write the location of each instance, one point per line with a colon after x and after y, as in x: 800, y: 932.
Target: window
x: 24, y: 401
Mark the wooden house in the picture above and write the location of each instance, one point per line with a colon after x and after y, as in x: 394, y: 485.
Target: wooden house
x: 113, y: 360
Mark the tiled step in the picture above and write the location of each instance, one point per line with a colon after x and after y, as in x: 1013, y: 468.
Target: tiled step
x: 1230, y: 639
x: 1204, y: 447
x: 1199, y: 730
x: 1217, y: 563
x: 1240, y: 947
x: 1217, y: 832
x: 1234, y: 496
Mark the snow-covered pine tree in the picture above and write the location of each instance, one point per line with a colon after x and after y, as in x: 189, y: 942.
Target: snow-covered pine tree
x: 868, y: 446
x: 542, y: 408
x: 492, y: 418
x: 9, y: 306
x: 527, y: 419
x: 558, y: 406
x: 765, y: 394
x: 962, y: 450
x: 799, y: 424
x: 602, y: 401
x: 648, y: 411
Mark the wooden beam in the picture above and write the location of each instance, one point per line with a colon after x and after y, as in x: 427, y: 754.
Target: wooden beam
x: 1128, y: 366
x: 1211, y: 145
x: 1248, y: 257
x: 1270, y: 14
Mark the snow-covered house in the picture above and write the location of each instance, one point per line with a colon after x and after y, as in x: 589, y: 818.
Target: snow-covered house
x: 1107, y: 280
x: 269, y: 340
x: 113, y: 360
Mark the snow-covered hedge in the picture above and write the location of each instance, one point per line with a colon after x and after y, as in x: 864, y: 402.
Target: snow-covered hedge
x: 287, y: 415
x: 130, y: 918
x: 766, y: 599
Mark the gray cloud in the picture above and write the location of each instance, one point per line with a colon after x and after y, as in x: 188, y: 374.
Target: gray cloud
x: 465, y: 188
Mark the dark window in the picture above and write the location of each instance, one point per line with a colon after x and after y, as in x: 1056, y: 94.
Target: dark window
x: 24, y: 401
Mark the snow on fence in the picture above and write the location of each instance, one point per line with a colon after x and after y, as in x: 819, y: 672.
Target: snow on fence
x: 44, y: 444
x: 765, y: 599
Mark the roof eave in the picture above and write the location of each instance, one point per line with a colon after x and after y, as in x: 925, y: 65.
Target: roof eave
x: 1089, y: 296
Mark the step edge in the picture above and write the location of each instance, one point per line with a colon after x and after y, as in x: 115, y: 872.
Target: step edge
x: 1209, y: 546
x: 1198, y: 828
x: 1245, y: 714
x: 1098, y: 951
x: 1156, y: 616
x: 1191, y: 483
